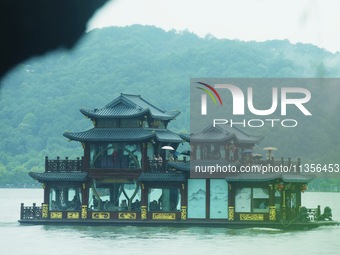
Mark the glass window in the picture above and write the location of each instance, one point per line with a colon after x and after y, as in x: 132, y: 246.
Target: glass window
x: 115, y: 197
x: 243, y: 200
x: 164, y: 200
x: 65, y: 199
x: 197, y: 198
x: 218, y: 199
x: 252, y: 200
x: 115, y: 155
x: 277, y: 199
x: 291, y: 200
x: 260, y: 200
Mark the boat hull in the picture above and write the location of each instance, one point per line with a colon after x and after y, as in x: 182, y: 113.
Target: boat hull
x: 188, y: 223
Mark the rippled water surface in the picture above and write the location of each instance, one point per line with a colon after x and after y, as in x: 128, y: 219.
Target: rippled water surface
x: 53, y: 240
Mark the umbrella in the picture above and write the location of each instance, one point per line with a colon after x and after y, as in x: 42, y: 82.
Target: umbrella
x: 270, y: 149
x: 167, y: 148
x: 247, y: 151
x: 256, y: 155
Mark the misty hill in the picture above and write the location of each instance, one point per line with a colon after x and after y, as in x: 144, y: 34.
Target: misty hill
x: 41, y: 98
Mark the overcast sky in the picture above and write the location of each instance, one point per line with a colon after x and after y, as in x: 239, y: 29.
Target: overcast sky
x: 307, y: 21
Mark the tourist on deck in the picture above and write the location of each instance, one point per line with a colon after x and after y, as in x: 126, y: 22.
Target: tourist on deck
x: 159, y: 161
x: 95, y: 202
x: 76, y: 202
x: 123, y: 205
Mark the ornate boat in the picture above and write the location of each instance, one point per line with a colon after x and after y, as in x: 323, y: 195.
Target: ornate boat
x: 131, y: 174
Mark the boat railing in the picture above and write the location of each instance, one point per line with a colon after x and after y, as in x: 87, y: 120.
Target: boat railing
x: 30, y: 212
x: 64, y: 165
x: 160, y: 166
x: 157, y: 166
x: 313, y: 213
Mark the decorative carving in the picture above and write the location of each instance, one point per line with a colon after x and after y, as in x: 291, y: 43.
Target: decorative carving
x: 231, y: 213
x: 127, y: 216
x: 272, y: 212
x: 164, y: 216
x: 100, y: 215
x: 143, y: 214
x: 183, y: 213
x: 63, y: 165
x: 73, y: 215
x: 84, y: 211
x: 258, y: 216
x: 56, y: 215
x: 44, y: 211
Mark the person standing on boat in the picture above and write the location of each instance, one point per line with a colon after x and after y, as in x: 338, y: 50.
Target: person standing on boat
x: 160, y: 161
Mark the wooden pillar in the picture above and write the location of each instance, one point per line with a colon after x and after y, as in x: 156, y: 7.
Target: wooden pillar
x: 144, y: 202
x: 184, y: 201
x: 194, y: 151
x: 86, y: 158
x: 207, y: 199
x: 145, y: 163
x: 284, y: 210
x: 231, y: 202
x: 272, y: 208
x: 227, y: 153
x: 85, y: 199
x: 46, y: 187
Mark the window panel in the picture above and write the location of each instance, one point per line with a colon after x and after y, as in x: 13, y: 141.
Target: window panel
x: 218, y: 199
x: 196, y: 198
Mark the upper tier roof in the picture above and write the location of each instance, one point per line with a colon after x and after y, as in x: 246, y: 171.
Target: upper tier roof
x: 127, y: 106
x: 222, y: 133
x: 124, y: 134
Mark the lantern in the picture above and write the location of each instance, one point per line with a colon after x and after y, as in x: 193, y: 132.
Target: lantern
x: 280, y: 186
x: 304, y: 187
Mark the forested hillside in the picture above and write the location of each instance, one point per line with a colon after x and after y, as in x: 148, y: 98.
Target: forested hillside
x: 41, y: 98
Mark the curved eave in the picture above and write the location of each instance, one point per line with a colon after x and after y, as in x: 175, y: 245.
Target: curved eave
x: 185, y: 137
x: 113, y: 114
x: 59, y: 176
x: 123, y: 135
x: 161, y: 177
x: 294, y: 178
x: 225, y: 138
x: 109, y: 135
x: 167, y: 136
x: 166, y: 115
x: 181, y: 166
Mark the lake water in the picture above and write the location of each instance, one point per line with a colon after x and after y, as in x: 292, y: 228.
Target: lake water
x: 53, y: 240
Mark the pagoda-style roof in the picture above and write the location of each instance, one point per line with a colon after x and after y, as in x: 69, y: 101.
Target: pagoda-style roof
x: 182, y: 166
x: 224, y: 133
x: 124, y: 135
x: 249, y: 177
x: 129, y: 106
x: 165, y: 177
x: 59, y: 176
x: 185, y: 137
